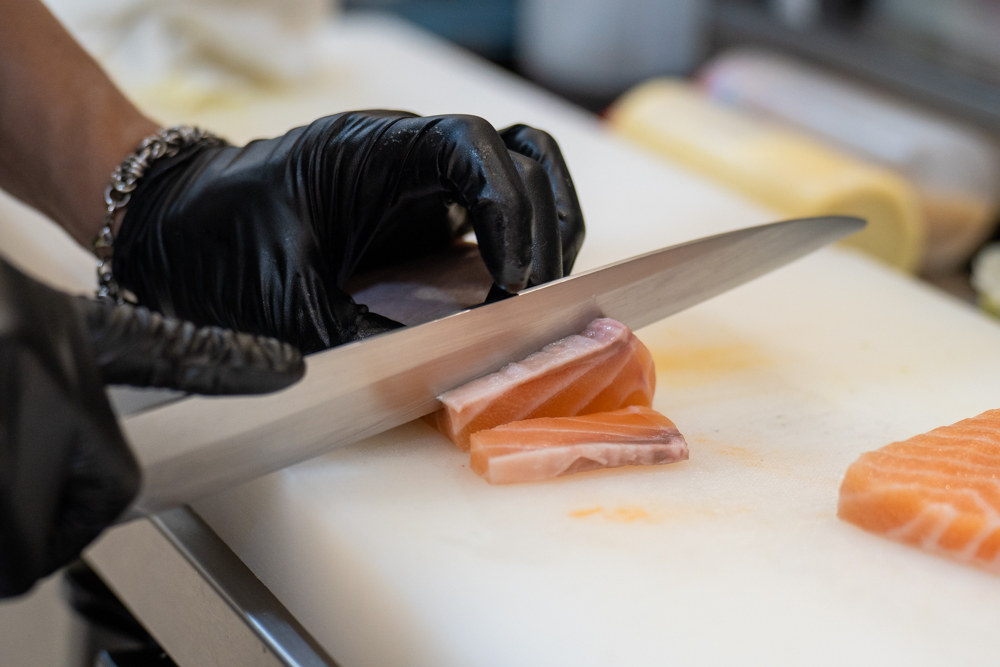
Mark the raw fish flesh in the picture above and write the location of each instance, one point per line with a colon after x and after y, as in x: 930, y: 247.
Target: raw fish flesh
x: 536, y: 449
x: 601, y: 369
x: 939, y: 491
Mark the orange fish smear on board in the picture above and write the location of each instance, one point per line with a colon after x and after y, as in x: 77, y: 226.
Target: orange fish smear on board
x: 939, y: 491
x: 603, y: 368
x: 536, y: 449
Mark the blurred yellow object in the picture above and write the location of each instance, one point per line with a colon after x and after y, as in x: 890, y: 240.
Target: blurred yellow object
x: 779, y: 168
x: 986, y: 278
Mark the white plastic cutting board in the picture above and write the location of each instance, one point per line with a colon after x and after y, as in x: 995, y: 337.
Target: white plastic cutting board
x: 392, y: 552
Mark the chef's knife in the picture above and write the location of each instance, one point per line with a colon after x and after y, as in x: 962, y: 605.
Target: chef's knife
x: 199, y: 445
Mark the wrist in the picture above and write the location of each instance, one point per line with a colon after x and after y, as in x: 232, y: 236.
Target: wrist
x: 125, y: 178
x: 85, y: 213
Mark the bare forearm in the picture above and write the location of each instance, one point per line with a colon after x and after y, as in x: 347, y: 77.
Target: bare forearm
x: 63, y: 124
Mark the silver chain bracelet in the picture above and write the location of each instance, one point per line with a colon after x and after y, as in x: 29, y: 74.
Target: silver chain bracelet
x: 167, y: 142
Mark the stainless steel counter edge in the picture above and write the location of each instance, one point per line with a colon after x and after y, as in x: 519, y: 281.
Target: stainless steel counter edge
x: 197, y: 598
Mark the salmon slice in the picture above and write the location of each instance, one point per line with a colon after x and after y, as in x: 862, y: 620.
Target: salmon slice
x: 939, y: 491
x: 601, y: 369
x: 536, y: 449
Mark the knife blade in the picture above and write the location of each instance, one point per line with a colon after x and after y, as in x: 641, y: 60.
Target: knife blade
x: 199, y: 445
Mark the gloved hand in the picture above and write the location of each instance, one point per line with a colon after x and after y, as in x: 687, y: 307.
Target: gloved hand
x: 262, y: 238
x: 65, y: 470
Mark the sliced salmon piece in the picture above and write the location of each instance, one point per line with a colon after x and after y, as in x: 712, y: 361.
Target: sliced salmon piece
x: 536, y: 449
x: 601, y: 369
x: 939, y: 491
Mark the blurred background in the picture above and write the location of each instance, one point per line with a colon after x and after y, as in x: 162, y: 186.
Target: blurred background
x: 884, y: 109
x: 891, y: 108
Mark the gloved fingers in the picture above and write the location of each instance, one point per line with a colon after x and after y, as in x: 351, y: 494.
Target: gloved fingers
x: 546, y: 247
x: 543, y: 149
x: 102, y: 480
x: 466, y: 157
x: 331, y: 317
x: 371, y: 324
x: 66, y: 472
x: 136, y: 346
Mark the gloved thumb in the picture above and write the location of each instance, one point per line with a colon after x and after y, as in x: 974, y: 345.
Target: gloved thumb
x: 135, y: 346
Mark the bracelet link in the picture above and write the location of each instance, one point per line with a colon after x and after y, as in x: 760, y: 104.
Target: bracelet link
x: 167, y: 142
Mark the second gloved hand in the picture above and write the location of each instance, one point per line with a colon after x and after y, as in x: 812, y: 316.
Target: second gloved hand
x: 66, y: 472
x: 261, y: 238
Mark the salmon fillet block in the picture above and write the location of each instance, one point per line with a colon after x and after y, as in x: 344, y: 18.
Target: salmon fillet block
x: 938, y: 491
x: 603, y: 368
x: 536, y: 449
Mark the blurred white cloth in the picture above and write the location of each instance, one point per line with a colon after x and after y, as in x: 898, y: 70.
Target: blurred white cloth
x: 205, y: 43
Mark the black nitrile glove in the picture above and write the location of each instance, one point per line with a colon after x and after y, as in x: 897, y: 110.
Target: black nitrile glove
x: 262, y: 238
x: 66, y: 472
